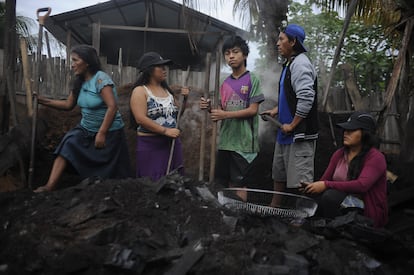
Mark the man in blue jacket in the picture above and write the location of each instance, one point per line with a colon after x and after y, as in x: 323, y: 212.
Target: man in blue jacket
x: 293, y: 160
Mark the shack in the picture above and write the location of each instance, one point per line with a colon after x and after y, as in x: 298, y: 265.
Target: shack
x: 122, y: 30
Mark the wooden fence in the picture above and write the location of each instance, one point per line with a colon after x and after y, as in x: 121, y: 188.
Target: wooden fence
x: 55, y: 76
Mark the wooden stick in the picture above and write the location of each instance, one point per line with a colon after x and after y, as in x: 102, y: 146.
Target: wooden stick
x: 184, y: 81
x: 215, y: 106
x: 26, y: 76
x: 204, y: 120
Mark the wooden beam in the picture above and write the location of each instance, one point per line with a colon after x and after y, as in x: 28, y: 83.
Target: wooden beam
x: 96, y: 36
x: 149, y: 29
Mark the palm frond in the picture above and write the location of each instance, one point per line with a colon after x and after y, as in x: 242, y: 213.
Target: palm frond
x: 377, y: 12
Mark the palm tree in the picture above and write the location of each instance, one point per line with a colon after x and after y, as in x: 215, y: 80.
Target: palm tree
x: 263, y: 18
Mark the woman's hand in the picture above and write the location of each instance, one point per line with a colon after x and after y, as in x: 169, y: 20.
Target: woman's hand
x: 314, y: 187
x: 100, y: 140
x: 205, y: 104
x: 185, y: 91
x: 172, y: 132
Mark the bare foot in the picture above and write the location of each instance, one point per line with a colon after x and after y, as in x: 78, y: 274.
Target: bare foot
x: 41, y: 189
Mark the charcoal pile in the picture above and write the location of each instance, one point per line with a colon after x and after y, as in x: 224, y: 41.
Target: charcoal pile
x: 176, y: 226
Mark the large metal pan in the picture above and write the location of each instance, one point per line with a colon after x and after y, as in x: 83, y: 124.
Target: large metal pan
x: 259, y: 203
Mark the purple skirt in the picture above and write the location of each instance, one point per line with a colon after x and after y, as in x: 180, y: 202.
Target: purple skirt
x: 152, y: 154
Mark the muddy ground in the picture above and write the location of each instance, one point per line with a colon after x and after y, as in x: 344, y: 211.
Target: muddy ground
x: 135, y: 226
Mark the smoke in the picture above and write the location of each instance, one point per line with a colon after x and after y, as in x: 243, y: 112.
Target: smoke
x: 270, y: 88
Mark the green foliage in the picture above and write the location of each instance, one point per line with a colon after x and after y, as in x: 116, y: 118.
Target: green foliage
x: 365, y: 47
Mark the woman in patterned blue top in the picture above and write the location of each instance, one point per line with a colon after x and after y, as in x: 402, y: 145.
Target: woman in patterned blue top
x: 155, y: 112
x: 97, y: 145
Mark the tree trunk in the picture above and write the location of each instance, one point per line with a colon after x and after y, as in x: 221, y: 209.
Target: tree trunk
x: 7, y: 91
x: 272, y: 14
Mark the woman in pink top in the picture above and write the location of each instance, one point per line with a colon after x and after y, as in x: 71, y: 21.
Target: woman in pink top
x: 357, y: 169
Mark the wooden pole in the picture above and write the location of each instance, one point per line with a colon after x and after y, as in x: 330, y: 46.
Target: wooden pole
x: 215, y: 106
x: 41, y: 19
x: 96, y: 36
x: 49, y: 52
x: 120, y: 66
x: 184, y: 82
x: 204, y: 119
x: 67, y: 67
x: 26, y: 77
x: 350, y: 12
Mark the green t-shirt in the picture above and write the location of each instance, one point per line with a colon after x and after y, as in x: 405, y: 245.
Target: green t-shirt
x: 240, y: 134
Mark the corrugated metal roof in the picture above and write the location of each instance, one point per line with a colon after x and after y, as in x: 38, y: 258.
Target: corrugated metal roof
x: 165, y: 31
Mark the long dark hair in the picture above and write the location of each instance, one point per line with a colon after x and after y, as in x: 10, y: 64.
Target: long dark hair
x: 368, y: 141
x: 144, y: 79
x: 90, y: 56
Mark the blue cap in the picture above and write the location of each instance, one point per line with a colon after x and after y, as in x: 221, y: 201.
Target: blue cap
x: 297, y: 32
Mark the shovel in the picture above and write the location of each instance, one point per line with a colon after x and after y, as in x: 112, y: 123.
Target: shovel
x: 35, y: 92
x: 184, y: 82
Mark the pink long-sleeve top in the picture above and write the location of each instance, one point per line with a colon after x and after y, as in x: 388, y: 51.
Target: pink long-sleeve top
x: 371, y: 184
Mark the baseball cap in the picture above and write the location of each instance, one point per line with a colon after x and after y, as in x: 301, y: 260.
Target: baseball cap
x: 152, y: 59
x: 359, y: 120
x: 297, y: 32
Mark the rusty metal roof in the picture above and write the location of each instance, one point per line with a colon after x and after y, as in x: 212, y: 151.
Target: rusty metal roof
x: 137, y: 26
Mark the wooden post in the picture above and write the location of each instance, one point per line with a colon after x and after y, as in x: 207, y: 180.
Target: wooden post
x: 120, y: 66
x: 67, y: 67
x: 49, y: 52
x: 49, y: 67
x: 215, y: 106
x: 96, y: 36
x: 204, y: 119
x: 26, y: 76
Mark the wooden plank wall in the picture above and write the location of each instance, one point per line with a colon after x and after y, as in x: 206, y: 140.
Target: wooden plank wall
x: 56, y: 76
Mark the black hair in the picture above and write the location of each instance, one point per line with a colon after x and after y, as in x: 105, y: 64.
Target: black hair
x: 297, y: 48
x: 368, y: 140
x: 90, y: 56
x: 143, y: 79
x: 236, y: 41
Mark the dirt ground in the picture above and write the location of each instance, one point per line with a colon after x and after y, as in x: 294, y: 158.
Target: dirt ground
x: 135, y: 226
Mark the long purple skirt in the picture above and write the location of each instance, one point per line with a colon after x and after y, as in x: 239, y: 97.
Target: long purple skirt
x: 152, y: 154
